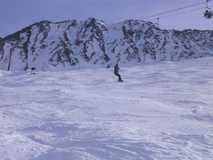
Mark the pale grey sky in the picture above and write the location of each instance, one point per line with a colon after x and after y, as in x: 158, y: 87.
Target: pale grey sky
x: 16, y: 14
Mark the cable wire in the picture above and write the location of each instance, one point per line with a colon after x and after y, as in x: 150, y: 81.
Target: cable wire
x: 160, y: 14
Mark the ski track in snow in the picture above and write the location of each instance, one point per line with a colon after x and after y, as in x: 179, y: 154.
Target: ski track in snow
x: 161, y: 112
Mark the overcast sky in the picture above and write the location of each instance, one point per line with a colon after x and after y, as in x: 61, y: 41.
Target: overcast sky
x: 16, y: 14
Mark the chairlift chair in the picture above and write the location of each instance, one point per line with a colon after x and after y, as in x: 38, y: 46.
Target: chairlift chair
x: 208, y: 12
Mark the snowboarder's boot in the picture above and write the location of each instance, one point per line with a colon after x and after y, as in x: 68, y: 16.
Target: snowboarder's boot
x: 120, y: 79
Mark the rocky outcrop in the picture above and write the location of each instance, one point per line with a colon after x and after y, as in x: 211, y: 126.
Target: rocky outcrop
x: 70, y: 44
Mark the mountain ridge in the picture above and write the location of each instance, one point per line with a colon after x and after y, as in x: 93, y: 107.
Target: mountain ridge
x: 68, y: 44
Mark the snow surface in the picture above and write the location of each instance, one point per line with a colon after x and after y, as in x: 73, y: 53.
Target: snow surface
x: 160, y: 112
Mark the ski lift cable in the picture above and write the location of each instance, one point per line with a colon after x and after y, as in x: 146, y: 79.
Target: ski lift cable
x: 182, y: 12
x: 197, y: 10
x: 175, y: 10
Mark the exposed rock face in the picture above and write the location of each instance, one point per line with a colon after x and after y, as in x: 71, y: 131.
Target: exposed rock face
x: 69, y: 44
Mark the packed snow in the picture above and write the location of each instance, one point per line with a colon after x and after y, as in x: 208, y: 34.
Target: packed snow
x: 160, y: 112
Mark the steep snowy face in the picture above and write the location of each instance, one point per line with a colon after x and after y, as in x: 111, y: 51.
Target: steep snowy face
x: 191, y: 44
x: 68, y: 44
x: 22, y: 47
x: 142, y: 41
x: 137, y: 41
x: 47, y: 45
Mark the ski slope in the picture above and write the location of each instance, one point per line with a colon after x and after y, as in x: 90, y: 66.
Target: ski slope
x: 161, y: 112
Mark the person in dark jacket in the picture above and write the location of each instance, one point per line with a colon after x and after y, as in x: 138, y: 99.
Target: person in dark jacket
x: 116, y: 72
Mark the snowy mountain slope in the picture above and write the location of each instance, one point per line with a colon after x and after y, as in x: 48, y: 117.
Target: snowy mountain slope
x: 70, y: 44
x: 64, y: 44
x: 87, y: 115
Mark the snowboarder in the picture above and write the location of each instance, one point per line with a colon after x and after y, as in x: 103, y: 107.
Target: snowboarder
x: 116, y: 72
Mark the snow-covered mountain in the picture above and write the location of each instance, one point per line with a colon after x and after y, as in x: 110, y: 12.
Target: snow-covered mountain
x: 69, y: 44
